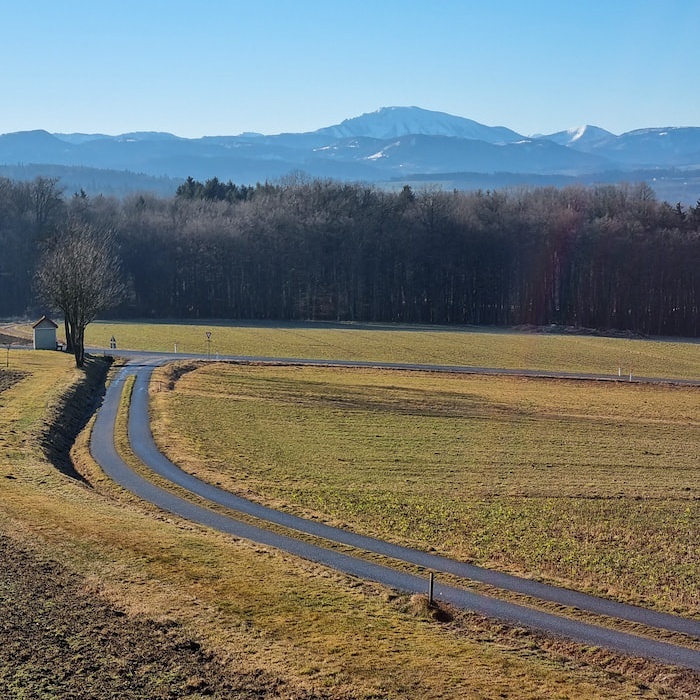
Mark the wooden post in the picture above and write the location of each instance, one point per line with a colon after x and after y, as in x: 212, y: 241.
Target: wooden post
x: 431, y: 583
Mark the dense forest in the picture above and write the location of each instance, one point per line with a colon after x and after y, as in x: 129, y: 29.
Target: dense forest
x: 608, y: 257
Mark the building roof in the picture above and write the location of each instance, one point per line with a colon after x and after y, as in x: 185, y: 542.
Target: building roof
x: 45, y: 322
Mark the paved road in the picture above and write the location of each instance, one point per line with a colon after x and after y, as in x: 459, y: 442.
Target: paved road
x: 404, y: 366
x: 103, y: 449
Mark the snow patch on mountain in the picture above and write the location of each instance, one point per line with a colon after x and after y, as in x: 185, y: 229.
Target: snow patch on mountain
x: 577, y: 133
x: 582, y: 138
x: 394, y: 122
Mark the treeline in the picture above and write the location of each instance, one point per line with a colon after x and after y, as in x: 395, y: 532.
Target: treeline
x: 610, y: 257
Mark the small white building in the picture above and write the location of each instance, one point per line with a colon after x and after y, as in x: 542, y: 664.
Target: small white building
x: 45, y: 334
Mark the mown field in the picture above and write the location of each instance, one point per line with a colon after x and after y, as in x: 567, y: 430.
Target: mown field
x: 592, y: 484
x: 130, y: 602
x: 471, y: 347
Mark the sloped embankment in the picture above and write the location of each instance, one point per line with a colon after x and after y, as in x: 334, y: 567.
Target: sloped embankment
x: 62, y: 635
x: 70, y: 413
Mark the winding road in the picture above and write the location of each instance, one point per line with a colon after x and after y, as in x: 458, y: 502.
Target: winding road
x: 103, y: 449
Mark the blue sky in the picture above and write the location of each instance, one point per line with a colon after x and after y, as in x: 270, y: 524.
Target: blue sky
x: 211, y: 67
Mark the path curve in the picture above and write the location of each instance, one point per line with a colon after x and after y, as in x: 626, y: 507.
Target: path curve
x: 104, y: 451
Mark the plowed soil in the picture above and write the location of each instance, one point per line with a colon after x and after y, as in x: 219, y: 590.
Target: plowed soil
x: 8, y: 377
x: 61, y: 639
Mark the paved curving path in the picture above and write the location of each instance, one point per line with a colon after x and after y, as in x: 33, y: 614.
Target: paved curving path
x: 103, y: 449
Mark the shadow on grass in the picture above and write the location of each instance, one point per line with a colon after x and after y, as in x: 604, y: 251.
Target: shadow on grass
x: 67, y: 418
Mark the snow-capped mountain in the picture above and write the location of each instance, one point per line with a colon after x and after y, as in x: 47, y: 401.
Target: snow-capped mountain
x: 391, y: 145
x: 393, y: 122
x: 675, y: 146
x: 582, y: 138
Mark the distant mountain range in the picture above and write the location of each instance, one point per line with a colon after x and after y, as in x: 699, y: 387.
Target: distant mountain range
x: 391, y: 147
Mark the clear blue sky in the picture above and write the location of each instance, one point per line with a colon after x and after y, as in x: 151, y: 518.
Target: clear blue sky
x: 211, y: 67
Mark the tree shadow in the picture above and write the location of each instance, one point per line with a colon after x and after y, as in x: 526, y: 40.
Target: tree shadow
x: 69, y: 416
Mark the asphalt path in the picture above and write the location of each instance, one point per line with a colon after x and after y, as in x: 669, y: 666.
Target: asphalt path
x: 403, y: 366
x: 103, y: 449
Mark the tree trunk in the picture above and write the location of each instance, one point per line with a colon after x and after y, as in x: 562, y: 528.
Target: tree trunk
x: 79, y: 346
x: 69, y: 335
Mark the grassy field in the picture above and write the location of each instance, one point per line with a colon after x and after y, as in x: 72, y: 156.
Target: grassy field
x: 274, y: 625
x: 470, y: 347
x: 590, y: 484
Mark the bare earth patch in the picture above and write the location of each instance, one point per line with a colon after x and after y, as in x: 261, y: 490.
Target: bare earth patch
x: 10, y: 377
x: 62, y: 640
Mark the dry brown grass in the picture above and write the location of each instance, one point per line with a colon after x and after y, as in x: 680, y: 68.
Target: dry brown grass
x: 591, y: 484
x: 257, y: 608
x: 438, y: 345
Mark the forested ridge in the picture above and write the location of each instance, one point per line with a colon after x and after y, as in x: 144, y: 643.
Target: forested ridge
x: 608, y: 257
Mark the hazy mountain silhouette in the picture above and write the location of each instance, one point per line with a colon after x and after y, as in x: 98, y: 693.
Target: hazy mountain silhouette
x: 391, y: 145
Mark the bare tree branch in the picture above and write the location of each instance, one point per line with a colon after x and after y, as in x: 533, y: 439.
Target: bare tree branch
x: 80, y: 275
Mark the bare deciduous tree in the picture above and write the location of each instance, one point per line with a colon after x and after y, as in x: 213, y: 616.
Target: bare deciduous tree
x: 79, y: 274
